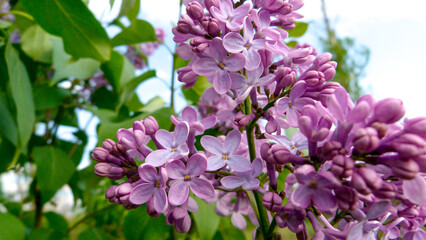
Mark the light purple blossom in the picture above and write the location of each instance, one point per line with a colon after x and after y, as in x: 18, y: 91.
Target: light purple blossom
x: 233, y: 18
x: 223, y: 153
x: 188, y: 178
x: 247, y: 180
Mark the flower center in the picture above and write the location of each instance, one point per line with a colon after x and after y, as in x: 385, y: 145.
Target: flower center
x: 313, y: 184
x: 247, y: 46
x: 174, y: 149
x: 157, y: 184
x: 289, y: 104
x: 293, y: 147
x: 187, y: 177
x: 222, y: 66
x: 225, y: 157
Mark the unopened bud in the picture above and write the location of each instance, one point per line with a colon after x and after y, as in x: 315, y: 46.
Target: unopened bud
x: 199, y: 44
x: 416, y: 126
x: 389, y: 110
x: 409, y: 145
x: 108, y: 144
x: 195, y: 10
x: 386, y: 191
x: 279, y: 155
x: 109, y: 170
x: 211, y: 25
x: 366, y: 139
x: 405, y: 169
x: 347, y: 198
x: 100, y: 154
x: 151, y: 125
x: 342, y: 166
x: 242, y: 120
x: 272, y: 201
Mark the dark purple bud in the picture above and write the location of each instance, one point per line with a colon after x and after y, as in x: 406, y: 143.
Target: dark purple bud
x: 187, y: 76
x: 199, y: 44
x: 342, y: 166
x: 386, y: 191
x: 284, y: 76
x: 211, y: 25
x: 151, y: 125
x: 272, y: 201
x: 285, y: 8
x: 195, y: 10
x: 416, y: 126
x: 266, y: 58
x: 421, y: 162
x: 119, y: 150
x: 408, y: 212
x: 211, y: 3
x: 409, y: 145
x: 366, y: 180
x: 405, y: 169
x: 242, y: 120
x: 381, y: 129
x: 264, y: 148
x: 100, y: 154
x: 111, y: 171
x: 389, y: 110
x: 314, y: 78
x: 331, y: 149
x: 347, y: 198
x: 322, y: 59
x: 185, y: 25
x: 366, y: 139
x: 279, y: 155
x: 272, y: 5
x: 286, y: 22
x: 328, y: 70
x: 110, y: 193
x: 359, y: 184
x: 108, y: 145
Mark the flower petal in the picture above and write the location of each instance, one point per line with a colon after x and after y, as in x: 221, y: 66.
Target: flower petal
x: 196, y: 165
x: 141, y: 193
x: 189, y: 114
x: 324, y: 200
x: 238, y: 221
x: 165, y: 138
x: 232, y: 141
x: 202, y: 188
x: 234, y: 62
x: 176, y: 169
x: 233, y: 42
x: 221, y: 82
x: 212, y: 145
x: 214, y: 163
x: 205, y: 67
x: 160, y: 200
x: 251, y: 184
x: 232, y: 182
x: 239, y: 163
x: 302, y: 196
x: 178, y: 193
x: 148, y: 173
x: 252, y: 59
x: 180, y: 134
x: 158, y: 157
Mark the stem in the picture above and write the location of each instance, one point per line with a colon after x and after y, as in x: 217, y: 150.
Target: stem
x: 263, y: 216
x: 272, y: 227
x: 172, y: 84
x: 38, y: 205
x: 90, y: 215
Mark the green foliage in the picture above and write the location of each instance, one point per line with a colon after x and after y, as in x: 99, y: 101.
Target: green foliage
x: 299, y: 30
x: 194, y: 93
x: 206, y: 220
x: 54, y: 169
x: 11, y: 227
x: 7, y: 124
x: 83, y: 35
x: 36, y: 44
x: 48, y: 97
x: 118, y: 70
x: 140, y: 31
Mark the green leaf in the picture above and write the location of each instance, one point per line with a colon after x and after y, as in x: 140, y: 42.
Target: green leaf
x: 5, y: 24
x: 130, y: 8
x: 206, y: 220
x: 7, y: 150
x: 83, y: 35
x: 56, y: 221
x: 22, y: 95
x: 104, y: 98
x: 118, y: 70
x: 299, y: 30
x: 47, y: 97
x: 7, y: 124
x: 194, y: 93
x: 153, y: 105
x: 140, y: 31
x: 130, y: 87
x: 54, y: 169
x: 36, y: 44
x: 83, y: 68
x: 291, y: 44
x: 136, y: 217
x: 11, y: 227
x: 134, y: 104
x: 179, y: 62
x: 92, y: 234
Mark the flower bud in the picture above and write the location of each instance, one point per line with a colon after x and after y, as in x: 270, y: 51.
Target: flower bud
x: 195, y: 10
x: 328, y: 70
x: 242, y: 120
x: 389, y: 110
x: 211, y: 25
x: 331, y: 149
x: 187, y: 76
x: 322, y: 59
x: 381, y: 129
x: 386, y: 191
x: 110, y: 193
x: 272, y: 202
x: 279, y: 155
x: 100, y: 154
x: 314, y: 78
x: 286, y: 22
x: 416, y: 126
x: 346, y: 197
x: 366, y: 180
x: 342, y: 166
x: 108, y: 144
x: 405, y: 169
x: 111, y: 171
x: 409, y: 145
x: 199, y: 44
x: 211, y: 3
x: 150, y: 209
x: 151, y: 125
x: 185, y: 25
x: 366, y: 139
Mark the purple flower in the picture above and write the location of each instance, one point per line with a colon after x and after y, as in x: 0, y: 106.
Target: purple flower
x: 233, y: 18
x: 190, y: 116
x: 248, y: 180
x: 152, y: 187
x: 292, y: 105
x: 223, y: 153
x: 188, y: 178
x: 313, y: 188
x: 297, y: 143
x: 218, y: 66
x: 234, y: 43
x: 173, y: 143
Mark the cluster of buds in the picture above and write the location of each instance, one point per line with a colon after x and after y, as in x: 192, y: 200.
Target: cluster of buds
x: 351, y: 169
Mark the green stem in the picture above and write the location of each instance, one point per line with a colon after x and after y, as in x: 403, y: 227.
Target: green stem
x: 109, y: 206
x: 272, y: 227
x: 172, y: 84
x: 263, y: 216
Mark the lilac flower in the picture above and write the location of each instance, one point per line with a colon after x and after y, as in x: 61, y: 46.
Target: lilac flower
x: 173, y: 143
x: 188, y: 178
x: 253, y: 80
x: 234, y: 43
x: 313, y: 188
x: 233, y: 18
x: 292, y: 105
x: 248, y: 180
x: 218, y: 66
x: 223, y: 153
x: 152, y: 187
x: 190, y: 116
x: 135, y: 139
x: 297, y: 143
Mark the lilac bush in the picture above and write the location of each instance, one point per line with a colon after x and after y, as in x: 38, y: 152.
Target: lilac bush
x: 352, y: 170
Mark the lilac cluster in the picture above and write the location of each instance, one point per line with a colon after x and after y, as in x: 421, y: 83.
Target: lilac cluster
x: 351, y: 170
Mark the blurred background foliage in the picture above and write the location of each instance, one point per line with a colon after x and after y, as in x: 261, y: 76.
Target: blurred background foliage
x: 60, y: 69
